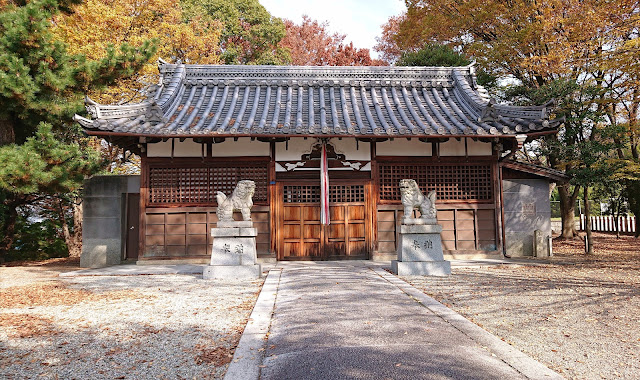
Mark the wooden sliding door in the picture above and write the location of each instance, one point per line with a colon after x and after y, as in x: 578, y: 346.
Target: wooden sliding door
x: 302, y: 237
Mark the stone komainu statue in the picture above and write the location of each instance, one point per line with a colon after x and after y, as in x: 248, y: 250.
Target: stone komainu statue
x: 240, y: 200
x: 412, y: 199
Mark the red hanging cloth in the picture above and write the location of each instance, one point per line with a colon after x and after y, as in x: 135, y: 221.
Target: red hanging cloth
x: 324, y: 186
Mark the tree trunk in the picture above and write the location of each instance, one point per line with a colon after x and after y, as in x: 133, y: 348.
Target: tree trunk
x: 568, y: 212
x: 587, y: 216
x: 66, y: 235
x: 73, y: 240
x: 7, y: 133
x: 616, y: 216
x: 76, y: 237
x: 9, y: 226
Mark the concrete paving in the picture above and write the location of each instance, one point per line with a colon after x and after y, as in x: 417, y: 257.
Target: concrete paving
x: 346, y: 320
x: 136, y: 270
x: 157, y: 269
x: 354, y: 320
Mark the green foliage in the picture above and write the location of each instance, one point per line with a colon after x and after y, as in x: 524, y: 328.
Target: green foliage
x: 39, y: 81
x: 433, y: 55
x: 583, y: 145
x: 39, y: 240
x: 41, y: 87
x: 44, y: 164
x: 442, y: 55
x: 250, y: 34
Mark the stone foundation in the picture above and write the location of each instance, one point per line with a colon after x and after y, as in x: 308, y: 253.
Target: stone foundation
x: 233, y: 254
x: 420, y: 252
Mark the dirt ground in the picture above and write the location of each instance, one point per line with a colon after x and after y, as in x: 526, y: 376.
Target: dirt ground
x: 117, y: 327
x: 578, y: 314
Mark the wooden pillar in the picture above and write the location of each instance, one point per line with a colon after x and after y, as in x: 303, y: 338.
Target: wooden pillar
x: 273, y: 201
x: 499, y: 199
x: 144, y: 197
x: 375, y: 198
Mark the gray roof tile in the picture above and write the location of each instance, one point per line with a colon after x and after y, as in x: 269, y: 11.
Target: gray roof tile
x: 214, y: 100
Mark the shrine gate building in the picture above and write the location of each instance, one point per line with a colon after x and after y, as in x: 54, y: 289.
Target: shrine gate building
x: 206, y: 127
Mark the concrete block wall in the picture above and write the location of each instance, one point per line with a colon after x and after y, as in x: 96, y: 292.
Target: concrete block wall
x: 526, y: 209
x: 103, y: 218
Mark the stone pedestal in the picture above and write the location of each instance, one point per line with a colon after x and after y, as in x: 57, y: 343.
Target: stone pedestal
x: 420, y: 251
x: 233, y: 255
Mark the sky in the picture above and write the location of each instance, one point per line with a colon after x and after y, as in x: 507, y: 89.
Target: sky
x: 360, y: 20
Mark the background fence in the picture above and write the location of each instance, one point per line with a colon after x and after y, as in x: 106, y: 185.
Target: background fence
x: 608, y: 223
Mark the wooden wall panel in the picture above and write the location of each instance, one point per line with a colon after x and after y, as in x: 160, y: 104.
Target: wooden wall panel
x: 186, y: 232
x: 387, y: 246
x: 466, y: 228
x: 197, y: 218
x: 155, y: 219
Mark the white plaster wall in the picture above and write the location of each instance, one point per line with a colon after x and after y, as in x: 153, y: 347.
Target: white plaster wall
x: 348, y: 148
x: 242, y: 147
x: 187, y: 148
x: 228, y: 148
x: 453, y: 147
x: 479, y: 148
x: 295, y: 149
x: 403, y: 147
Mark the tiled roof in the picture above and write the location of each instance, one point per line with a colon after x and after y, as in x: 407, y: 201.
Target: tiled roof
x: 224, y: 100
x: 542, y: 171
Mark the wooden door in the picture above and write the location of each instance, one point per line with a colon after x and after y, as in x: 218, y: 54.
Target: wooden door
x: 302, y: 237
x: 133, y: 222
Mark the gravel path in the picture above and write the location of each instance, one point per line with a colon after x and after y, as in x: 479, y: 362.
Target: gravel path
x: 134, y: 327
x: 579, y: 315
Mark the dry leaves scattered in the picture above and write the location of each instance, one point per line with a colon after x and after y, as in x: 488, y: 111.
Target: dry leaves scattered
x: 578, y: 314
x: 55, y: 293
x: 217, y: 354
x: 166, y: 326
x: 27, y: 326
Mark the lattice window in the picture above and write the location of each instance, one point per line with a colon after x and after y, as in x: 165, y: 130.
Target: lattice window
x: 311, y: 193
x: 452, y: 182
x: 346, y: 193
x: 301, y: 194
x: 198, y: 185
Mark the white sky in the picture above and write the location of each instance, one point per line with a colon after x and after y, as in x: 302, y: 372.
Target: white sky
x: 360, y: 20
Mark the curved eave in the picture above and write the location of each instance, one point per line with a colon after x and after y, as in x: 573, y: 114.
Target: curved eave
x: 282, y: 136
x: 265, y: 101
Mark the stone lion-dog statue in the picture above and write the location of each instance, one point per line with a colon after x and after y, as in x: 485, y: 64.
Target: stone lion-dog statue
x: 413, y: 199
x: 240, y: 200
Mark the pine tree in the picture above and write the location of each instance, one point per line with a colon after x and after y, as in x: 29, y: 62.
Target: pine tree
x: 41, y: 87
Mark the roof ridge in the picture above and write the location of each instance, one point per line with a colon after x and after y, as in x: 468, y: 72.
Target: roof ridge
x: 315, y: 100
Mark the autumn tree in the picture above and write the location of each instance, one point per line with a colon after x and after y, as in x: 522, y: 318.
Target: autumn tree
x: 97, y: 24
x: 42, y: 84
x: 386, y: 44
x: 311, y: 44
x: 621, y: 76
x: 249, y: 35
x: 535, y: 44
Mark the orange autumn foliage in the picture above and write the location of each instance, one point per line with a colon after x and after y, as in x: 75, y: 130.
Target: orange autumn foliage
x: 533, y: 41
x: 311, y: 44
x: 97, y: 24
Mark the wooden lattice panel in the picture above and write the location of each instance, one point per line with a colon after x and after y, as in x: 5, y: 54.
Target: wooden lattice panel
x: 301, y: 194
x: 311, y: 193
x: 346, y: 193
x: 197, y: 185
x: 451, y: 181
